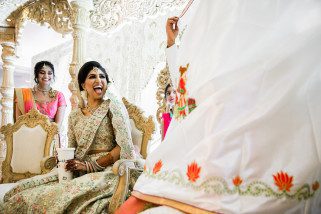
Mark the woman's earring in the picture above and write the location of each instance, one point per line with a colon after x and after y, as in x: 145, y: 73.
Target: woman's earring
x: 84, y: 96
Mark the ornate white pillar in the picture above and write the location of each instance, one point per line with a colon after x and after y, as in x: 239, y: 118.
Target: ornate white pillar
x: 80, y: 23
x: 8, y: 58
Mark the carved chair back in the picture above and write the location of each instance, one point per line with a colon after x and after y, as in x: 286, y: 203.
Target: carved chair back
x: 28, y: 142
x: 142, y: 127
x: 163, y: 79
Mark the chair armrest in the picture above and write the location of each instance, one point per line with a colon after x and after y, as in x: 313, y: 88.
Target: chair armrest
x: 47, y: 164
x: 121, y: 166
x: 128, y: 172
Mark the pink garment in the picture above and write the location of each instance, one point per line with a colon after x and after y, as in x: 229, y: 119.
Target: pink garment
x: 166, y: 121
x: 49, y: 109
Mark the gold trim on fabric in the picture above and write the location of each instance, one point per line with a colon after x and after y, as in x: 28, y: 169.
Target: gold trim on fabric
x: 172, y: 203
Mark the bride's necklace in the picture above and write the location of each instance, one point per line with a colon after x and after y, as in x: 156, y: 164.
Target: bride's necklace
x: 91, y: 110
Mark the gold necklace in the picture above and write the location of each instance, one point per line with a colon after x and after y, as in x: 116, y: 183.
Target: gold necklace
x: 91, y: 110
x: 49, y: 91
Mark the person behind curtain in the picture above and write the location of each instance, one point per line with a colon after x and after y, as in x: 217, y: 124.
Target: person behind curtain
x: 170, y: 96
x: 252, y: 144
x: 100, y: 133
x: 42, y: 96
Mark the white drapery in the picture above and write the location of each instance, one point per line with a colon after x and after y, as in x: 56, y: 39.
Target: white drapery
x: 252, y: 145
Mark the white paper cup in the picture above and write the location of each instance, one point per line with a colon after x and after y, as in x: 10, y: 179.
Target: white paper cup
x: 64, y: 154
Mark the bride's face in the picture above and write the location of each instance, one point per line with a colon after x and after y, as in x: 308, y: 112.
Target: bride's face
x: 95, y: 84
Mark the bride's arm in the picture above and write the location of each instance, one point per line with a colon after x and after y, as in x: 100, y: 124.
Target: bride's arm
x: 110, y: 158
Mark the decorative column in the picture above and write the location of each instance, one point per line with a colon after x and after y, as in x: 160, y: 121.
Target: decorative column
x: 80, y: 23
x: 8, y: 58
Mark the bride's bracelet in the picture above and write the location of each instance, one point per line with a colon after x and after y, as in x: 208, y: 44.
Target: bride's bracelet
x: 93, y: 166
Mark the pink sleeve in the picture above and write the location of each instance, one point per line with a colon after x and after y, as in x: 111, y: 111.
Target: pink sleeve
x: 166, y: 121
x: 61, y: 99
x: 166, y: 116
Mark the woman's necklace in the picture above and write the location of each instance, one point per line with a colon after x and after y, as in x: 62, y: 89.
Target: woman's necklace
x: 91, y: 110
x: 49, y: 91
x: 44, y: 91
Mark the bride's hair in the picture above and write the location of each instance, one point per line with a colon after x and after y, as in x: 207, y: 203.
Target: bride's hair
x: 86, y: 68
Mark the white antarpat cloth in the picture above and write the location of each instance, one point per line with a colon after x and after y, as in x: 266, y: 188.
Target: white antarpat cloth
x: 253, y: 144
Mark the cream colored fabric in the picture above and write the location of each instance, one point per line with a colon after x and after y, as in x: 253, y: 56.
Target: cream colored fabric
x: 28, y: 144
x: 4, y: 188
x: 137, y: 136
x: 162, y: 210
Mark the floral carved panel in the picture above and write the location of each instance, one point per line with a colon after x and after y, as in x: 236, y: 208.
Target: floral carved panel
x: 57, y: 13
x: 109, y: 14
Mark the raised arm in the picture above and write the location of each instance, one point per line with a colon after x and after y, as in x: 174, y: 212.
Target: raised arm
x: 171, y: 30
x: 171, y: 50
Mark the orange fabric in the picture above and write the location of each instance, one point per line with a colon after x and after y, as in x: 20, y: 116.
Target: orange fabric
x: 132, y: 205
x: 171, y: 203
x: 27, y: 99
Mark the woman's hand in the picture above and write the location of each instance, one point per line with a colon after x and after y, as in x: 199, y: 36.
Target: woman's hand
x: 171, y: 30
x: 75, y: 165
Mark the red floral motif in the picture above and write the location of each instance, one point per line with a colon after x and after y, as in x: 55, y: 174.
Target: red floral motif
x: 181, y: 89
x: 157, y: 166
x: 283, y: 181
x: 193, y: 172
x: 315, y: 186
x: 144, y: 167
x: 237, y: 181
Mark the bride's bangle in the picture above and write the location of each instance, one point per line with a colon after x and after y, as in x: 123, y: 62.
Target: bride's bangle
x: 93, y: 166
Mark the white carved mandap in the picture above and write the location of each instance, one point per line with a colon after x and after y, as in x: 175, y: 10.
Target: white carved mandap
x: 127, y: 37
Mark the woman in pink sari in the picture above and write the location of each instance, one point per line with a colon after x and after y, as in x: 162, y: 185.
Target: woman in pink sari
x: 48, y: 101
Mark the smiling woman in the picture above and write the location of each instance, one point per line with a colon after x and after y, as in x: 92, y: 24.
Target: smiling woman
x: 93, y: 80
x: 100, y: 134
x: 42, y: 96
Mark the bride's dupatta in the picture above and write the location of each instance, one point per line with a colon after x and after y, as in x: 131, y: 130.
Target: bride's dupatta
x: 120, y: 125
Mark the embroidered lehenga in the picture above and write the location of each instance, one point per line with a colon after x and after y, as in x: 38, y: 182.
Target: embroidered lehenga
x: 89, y: 193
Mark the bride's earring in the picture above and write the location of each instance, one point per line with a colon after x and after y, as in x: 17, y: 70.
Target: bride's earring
x: 84, y: 96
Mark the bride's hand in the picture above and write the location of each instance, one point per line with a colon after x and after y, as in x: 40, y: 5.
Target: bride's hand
x: 171, y: 30
x: 75, y: 165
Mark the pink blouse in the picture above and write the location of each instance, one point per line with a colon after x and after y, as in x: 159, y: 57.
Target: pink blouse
x: 50, y: 108
x: 166, y: 121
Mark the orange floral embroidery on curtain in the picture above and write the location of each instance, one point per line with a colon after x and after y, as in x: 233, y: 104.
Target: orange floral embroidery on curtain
x: 193, y: 171
x: 283, y: 181
x: 157, y: 166
x: 237, y: 181
x: 181, y: 101
x: 219, y: 185
x: 315, y: 186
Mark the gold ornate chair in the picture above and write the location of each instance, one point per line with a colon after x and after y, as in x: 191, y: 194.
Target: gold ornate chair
x: 29, y: 143
x: 163, y: 79
x: 129, y: 170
